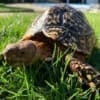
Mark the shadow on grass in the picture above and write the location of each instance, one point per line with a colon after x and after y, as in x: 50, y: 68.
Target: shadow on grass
x: 95, y: 58
x: 5, y: 8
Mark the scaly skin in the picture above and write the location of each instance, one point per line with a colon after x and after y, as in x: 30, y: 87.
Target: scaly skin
x: 86, y: 73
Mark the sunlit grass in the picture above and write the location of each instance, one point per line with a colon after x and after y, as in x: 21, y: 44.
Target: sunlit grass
x: 42, y: 80
x: 13, y: 27
x: 5, y: 8
x: 94, y: 19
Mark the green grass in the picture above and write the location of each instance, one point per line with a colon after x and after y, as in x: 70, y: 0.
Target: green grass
x: 5, y: 8
x: 94, y: 20
x: 41, y: 81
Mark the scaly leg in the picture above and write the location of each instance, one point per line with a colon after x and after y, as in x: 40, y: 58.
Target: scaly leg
x: 86, y: 73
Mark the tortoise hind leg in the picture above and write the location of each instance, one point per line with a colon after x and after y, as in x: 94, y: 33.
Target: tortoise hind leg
x: 86, y: 73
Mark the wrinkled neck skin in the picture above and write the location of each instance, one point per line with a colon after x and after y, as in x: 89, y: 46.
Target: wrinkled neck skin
x: 44, y: 50
x: 43, y: 44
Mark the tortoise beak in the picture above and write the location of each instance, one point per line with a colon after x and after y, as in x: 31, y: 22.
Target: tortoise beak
x: 6, y: 52
x: 1, y: 57
x: 2, y: 60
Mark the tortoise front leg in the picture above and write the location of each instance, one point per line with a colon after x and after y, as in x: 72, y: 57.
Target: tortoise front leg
x: 86, y: 73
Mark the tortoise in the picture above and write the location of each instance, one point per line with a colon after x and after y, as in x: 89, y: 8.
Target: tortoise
x: 67, y: 28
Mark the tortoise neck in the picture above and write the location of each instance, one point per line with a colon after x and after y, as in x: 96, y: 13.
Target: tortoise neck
x: 43, y: 50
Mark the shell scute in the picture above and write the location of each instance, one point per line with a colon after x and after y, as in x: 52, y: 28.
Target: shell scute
x: 70, y: 27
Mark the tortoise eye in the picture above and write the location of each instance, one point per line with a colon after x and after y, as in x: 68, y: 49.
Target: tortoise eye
x: 22, y: 52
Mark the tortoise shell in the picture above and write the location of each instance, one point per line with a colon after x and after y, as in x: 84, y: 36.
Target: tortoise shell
x: 67, y: 26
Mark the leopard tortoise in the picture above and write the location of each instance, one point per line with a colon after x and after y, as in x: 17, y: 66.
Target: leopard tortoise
x: 67, y: 28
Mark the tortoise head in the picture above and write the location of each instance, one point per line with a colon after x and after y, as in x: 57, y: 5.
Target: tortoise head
x: 23, y: 52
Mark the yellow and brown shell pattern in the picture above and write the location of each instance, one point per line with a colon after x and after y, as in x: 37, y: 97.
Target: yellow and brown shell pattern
x: 71, y: 27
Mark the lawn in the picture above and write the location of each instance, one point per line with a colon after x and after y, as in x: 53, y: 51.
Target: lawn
x: 5, y: 8
x: 41, y: 81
